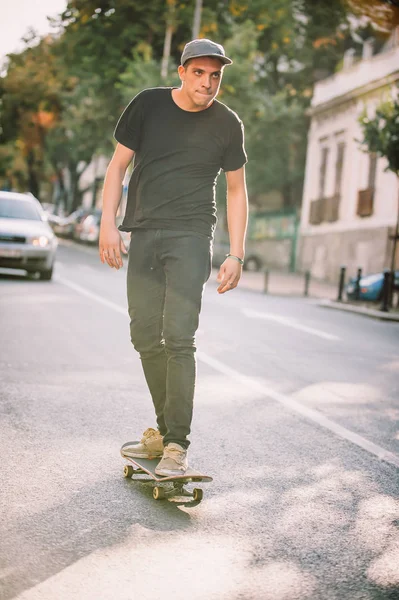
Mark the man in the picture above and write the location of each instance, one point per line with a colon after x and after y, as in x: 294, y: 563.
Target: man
x: 180, y: 139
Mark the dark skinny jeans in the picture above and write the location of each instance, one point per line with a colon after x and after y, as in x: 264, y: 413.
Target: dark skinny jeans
x: 167, y: 272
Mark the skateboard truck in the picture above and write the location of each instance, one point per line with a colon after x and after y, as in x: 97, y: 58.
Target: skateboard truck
x: 147, y: 466
x: 178, y: 489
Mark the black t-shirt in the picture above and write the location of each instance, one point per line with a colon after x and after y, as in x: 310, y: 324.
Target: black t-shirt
x: 178, y: 156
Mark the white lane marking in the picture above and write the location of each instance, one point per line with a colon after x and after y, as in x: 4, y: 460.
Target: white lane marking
x: 305, y: 411
x: 249, y: 382
x: 253, y: 314
x: 92, y: 296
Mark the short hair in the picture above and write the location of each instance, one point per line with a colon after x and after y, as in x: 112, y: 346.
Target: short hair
x: 187, y: 63
x: 189, y: 60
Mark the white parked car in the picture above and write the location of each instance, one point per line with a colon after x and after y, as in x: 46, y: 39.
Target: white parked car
x: 27, y: 241
x: 89, y: 229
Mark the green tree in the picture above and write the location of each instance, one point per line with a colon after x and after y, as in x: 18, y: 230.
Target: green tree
x: 381, y: 135
x: 108, y: 50
x: 275, y: 122
x: 82, y: 132
x: 29, y: 108
x: 141, y: 72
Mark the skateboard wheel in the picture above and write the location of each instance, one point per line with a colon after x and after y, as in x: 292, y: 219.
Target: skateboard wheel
x: 198, y: 494
x: 158, y: 493
x: 128, y: 470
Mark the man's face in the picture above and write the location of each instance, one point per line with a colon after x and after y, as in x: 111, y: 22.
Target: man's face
x: 201, y: 80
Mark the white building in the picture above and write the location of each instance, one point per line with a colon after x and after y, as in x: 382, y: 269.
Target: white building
x: 350, y: 204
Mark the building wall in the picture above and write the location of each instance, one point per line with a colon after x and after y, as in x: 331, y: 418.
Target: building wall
x: 324, y: 254
x: 358, y: 75
x: 351, y: 240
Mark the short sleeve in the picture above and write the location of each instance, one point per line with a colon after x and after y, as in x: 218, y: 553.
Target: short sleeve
x: 235, y: 156
x: 128, y: 128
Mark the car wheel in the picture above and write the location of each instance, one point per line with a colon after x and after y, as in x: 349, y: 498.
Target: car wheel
x: 46, y: 275
x: 252, y: 264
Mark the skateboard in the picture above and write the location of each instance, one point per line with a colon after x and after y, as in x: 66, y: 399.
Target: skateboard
x: 147, y: 466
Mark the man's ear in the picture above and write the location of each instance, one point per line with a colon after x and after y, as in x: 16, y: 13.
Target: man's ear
x: 182, y: 73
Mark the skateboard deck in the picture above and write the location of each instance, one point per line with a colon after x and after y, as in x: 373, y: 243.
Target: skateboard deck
x: 147, y: 466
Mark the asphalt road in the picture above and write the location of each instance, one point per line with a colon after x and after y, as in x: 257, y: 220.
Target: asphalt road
x: 296, y: 418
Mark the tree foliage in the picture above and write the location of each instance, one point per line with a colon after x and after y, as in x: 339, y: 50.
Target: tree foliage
x: 30, y: 107
x: 381, y: 133
x: 61, y: 98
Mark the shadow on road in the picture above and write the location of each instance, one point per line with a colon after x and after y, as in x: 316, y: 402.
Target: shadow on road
x: 97, y: 517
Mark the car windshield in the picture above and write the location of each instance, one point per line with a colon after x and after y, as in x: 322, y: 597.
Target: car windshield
x: 18, y: 209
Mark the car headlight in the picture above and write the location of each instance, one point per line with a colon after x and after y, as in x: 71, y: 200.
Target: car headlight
x: 41, y: 241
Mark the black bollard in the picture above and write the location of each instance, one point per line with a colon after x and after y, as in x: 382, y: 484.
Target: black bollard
x: 307, y: 282
x: 265, y: 281
x: 386, y: 286
x: 341, y: 283
x: 357, y: 284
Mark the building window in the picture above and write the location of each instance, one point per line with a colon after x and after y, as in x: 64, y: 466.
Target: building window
x: 339, y: 167
x: 365, y: 198
x: 316, y: 212
x: 323, y: 171
x: 327, y: 208
x: 331, y: 208
x: 365, y: 202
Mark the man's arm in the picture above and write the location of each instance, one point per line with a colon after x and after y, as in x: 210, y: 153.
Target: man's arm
x: 237, y: 219
x: 110, y: 243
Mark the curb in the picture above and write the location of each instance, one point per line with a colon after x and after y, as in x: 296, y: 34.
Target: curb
x: 366, y: 312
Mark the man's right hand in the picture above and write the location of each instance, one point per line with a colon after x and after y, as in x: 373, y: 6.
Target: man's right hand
x: 111, y: 246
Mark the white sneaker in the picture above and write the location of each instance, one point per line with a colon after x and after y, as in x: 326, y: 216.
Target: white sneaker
x: 174, y: 461
x: 150, y: 446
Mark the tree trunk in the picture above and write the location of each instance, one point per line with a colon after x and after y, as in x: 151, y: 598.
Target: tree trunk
x: 170, y: 27
x: 395, y: 241
x: 59, y: 199
x: 393, y: 257
x: 287, y: 195
x: 72, y: 195
x: 32, y: 176
x: 75, y: 192
x: 197, y: 19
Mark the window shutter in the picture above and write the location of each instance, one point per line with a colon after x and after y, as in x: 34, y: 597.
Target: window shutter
x: 316, y: 216
x: 331, y: 212
x: 365, y: 202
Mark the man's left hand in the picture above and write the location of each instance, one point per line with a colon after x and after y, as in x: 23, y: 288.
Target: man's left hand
x: 229, y: 275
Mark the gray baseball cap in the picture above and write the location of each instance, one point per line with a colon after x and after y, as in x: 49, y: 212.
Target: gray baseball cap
x: 204, y: 47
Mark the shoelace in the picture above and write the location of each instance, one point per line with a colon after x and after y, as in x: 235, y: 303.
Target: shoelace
x: 150, y: 432
x: 174, y: 454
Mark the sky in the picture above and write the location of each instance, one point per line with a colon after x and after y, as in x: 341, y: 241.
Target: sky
x: 17, y: 16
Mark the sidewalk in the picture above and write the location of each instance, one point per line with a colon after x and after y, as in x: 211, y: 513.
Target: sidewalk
x: 280, y: 283
x: 363, y: 308
x: 284, y: 284
x: 293, y: 284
